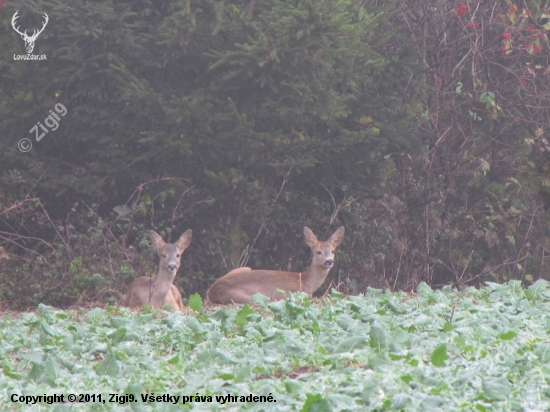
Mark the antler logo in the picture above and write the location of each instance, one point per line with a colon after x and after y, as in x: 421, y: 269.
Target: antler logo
x: 29, y: 40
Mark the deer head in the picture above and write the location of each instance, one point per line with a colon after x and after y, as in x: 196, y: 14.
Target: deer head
x: 29, y: 40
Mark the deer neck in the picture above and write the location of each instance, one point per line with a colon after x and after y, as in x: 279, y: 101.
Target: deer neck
x: 313, y: 278
x: 160, y: 286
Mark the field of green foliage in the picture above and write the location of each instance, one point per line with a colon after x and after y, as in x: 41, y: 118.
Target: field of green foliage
x: 445, y: 350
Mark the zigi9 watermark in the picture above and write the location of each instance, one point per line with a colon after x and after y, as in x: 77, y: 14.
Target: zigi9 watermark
x: 52, y: 123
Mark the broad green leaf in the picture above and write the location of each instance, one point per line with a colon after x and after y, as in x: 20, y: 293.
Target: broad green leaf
x: 108, y: 366
x: 351, y: 344
x: 496, y: 389
x: 9, y: 373
x: 538, y: 287
x: 439, y: 355
x: 346, y: 322
x: 195, y: 302
x: 45, y: 310
x: 424, y: 290
x: 36, y: 371
x: 95, y: 315
x: 377, y: 338
x: 193, y: 324
x: 51, y: 372
x: 46, y: 328
x: 118, y: 335
x: 316, y: 403
x: 508, y: 335
x: 240, y: 319
x: 178, y: 359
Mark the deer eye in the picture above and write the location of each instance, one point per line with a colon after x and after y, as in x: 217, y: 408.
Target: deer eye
x: 319, y: 252
x: 178, y: 255
x: 164, y: 255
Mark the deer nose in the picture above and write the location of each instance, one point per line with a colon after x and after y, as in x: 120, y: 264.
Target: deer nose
x: 329, y: 262
x: 172, y: 267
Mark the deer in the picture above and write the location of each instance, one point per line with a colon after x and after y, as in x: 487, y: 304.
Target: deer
x: 161, y: 290
x: 29, y: 40
x: 240, y: 284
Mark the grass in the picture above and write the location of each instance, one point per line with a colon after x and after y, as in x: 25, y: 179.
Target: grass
x: 445, y: 350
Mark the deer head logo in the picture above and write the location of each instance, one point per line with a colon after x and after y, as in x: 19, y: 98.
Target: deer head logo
x: 29, y: 40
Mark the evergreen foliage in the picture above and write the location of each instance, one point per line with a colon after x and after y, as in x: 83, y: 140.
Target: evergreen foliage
x: 420, y: 126
x: 244, y: 121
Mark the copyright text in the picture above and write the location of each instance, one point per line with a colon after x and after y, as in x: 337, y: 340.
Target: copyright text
x: 144, y: 397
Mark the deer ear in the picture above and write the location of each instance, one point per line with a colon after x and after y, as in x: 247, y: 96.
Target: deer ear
x: 156, y: 240
x: 337, y: 237
x: 310, y: 238
x: 184, y: 240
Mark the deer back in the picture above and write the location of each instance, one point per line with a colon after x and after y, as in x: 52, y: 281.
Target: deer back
x: 239, y: 285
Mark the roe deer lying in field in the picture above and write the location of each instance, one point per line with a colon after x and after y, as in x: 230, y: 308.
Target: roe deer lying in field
x: 240, y: 284
x: 160, y: 290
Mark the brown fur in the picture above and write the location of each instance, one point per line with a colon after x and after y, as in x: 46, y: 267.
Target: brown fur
x: 240, y: 284
x: 160, y: 291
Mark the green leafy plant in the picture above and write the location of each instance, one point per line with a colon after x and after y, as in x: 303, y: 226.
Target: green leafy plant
x: 351, y: 354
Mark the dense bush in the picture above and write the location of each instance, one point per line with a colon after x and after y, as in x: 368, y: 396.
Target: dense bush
x: 419, y: 126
